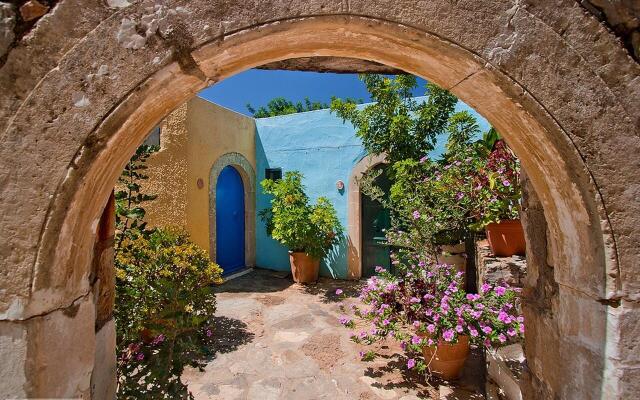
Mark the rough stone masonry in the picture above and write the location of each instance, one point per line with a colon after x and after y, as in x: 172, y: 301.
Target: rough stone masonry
x: 83, y: 81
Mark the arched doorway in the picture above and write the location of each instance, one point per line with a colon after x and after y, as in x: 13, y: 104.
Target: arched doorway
x: 241, y: 176
x: 539, y: 79
x: 375, y: 220
x: 230, y: 229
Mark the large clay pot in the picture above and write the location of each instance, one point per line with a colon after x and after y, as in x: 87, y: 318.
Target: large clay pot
x: 304, y: 268
x: 446, y: 360
x: 506, y: 238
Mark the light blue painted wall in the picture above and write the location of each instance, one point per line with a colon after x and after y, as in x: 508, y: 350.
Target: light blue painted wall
x: 324, y: 150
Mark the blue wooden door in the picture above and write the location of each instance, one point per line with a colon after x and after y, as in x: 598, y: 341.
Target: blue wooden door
x: 230, y: 220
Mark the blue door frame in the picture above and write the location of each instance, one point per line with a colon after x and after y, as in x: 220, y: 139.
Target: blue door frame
x: 230, y: 229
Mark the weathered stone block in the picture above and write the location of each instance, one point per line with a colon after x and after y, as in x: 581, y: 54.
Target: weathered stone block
x: 13, y: 353
x: 493, y: 270
x: 7, y: 22
x: 103, y: 376
x: 504, y: 367
x: 33, y: 9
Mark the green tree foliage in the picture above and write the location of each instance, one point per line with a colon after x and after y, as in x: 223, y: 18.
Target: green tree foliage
x: 396, y: 124
x: 282, y: 106
x: 130, y: 198
x: 297, y: 224
x: 164, y: 299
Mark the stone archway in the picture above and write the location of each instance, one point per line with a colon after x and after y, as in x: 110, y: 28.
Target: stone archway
x: 354, y: 215
x: 550, y: 77
x: 242, y: 165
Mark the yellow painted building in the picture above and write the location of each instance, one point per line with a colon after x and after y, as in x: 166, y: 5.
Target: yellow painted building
x: 196, y: 141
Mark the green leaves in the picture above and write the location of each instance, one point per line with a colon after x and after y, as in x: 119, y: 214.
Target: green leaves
x: 396, y: 124
x: 282, y: 106
x: 294, y: 222
x: 164, y: 303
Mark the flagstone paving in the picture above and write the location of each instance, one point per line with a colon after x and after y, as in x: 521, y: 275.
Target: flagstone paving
x: 280, y: 340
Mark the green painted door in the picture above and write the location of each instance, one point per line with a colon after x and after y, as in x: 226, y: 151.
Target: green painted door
x: 375, y: 221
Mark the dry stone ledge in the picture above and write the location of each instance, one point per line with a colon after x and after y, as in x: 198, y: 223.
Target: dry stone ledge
x: 493, y: 270
x: 505, y: 364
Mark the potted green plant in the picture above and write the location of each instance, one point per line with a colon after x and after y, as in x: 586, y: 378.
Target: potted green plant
x: 497, y: 193
x: 308, y: 231
x: 424, y: 306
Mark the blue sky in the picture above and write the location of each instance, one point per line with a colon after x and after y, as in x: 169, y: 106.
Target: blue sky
x: 259, y: 86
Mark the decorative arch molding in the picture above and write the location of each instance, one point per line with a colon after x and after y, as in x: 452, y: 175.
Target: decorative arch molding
x: 561, y: 90
x: 248, y: 175
x: 354, y: 215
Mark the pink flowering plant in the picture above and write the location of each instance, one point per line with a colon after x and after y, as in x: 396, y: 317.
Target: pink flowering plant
x: 424, y: 304
x: 496, y: 187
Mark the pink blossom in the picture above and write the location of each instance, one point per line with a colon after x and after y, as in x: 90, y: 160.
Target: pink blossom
x: 411, y: 363
x: 504, y: 317
x: 502, y: 338
x: 431, y: 328
x: 511, y: 332
x: 485, y: 288
x: 473, y: 332
x: 385, y: 322
x: 338, y: 292
x: 487, y: 329
x: 459, y: 328
x: 506, y: 182
x: 500, y: 290
x: 139, y: 356
x: 208, y: 332
x: 448, y: 335
x: 415, y: 340
x: 416, y: 214
x: 158, y: 339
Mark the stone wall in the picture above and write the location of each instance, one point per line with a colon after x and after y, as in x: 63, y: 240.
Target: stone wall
x: 540, y: 301
x: 100, y: 75
x: 504, y: 364
x: 167, y: 171
x: 492, y: 269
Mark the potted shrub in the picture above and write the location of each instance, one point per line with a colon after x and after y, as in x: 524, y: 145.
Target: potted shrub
x: 497, y: 198
x: 424, y: 306
x: 308, y: 231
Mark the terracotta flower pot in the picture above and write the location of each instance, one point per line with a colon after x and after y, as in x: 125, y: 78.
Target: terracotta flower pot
x: 446, y: 360
x: 506, y: 238
x: 304, y: 268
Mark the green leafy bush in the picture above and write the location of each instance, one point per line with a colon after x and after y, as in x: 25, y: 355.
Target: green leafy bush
x: 165, y: 303
x: 497, y: 187
x: 298, y: 225
x: 164, y: 296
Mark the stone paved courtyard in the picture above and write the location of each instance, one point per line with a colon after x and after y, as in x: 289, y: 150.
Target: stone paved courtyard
x: 279, y: 340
